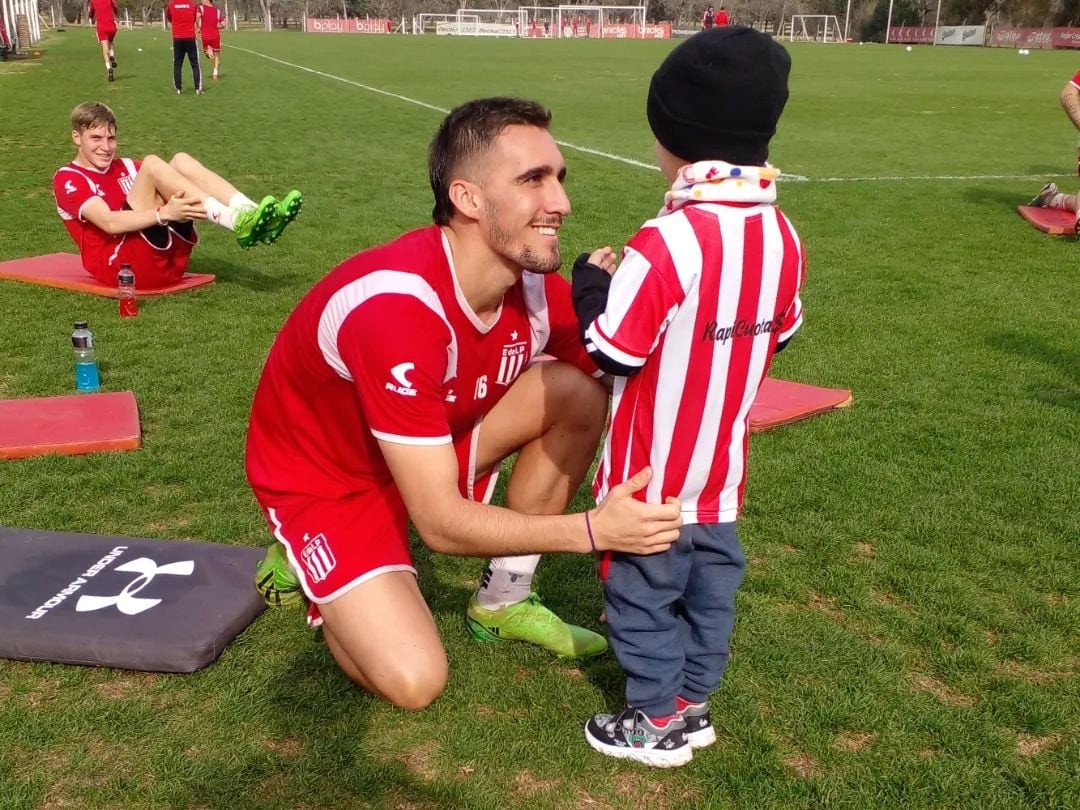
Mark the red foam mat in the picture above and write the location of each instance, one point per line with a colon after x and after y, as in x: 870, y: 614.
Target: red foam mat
x: 780, y: 402
x: 65, y: 272
x: 69, y: 425
x: 1056, y: 221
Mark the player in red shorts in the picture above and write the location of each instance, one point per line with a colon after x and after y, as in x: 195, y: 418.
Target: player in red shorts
x: 142, y: 213
x: 210, y: 25
x: 103, y: 14
x: 400, y: 383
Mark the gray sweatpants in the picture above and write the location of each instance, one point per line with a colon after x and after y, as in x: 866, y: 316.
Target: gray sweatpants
x: 670, y: 616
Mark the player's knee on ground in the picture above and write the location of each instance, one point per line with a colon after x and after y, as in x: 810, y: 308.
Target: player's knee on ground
x: 417, y: 690
x: 411, y: 684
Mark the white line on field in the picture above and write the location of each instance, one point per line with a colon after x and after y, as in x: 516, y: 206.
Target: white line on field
x: 798, y: 178
x: 574, y: 146
x: 898, y: 178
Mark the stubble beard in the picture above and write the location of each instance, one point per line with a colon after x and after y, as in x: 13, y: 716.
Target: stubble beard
x: 502, y: 241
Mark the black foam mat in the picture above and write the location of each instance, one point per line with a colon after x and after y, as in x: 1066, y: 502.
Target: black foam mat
x: 125, y: 602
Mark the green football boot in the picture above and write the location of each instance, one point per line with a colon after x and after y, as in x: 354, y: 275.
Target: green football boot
x: 251, y: 223
x: 532, y: 622
x: 287, y: 210
x: 275, y: 580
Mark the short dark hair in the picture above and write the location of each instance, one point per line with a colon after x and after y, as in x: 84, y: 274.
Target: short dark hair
x: 466, y: 132
x: 92, y: 114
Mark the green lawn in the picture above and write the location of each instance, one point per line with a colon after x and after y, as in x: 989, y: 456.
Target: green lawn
x: 909, y: 631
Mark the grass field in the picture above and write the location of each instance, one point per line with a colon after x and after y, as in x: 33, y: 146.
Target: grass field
x: 909, y: 631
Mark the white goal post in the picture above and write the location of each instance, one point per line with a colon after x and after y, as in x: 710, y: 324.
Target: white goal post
x: 815, y: 28
x: 538, y: 22
x: 600, y: 22
x: 459, y: 23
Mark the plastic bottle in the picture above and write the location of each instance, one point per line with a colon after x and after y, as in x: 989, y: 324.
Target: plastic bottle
x: 86, y: 368
x: 125, y: 291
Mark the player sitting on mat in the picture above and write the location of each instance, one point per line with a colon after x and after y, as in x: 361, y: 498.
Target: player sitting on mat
x: 1050, y: 197
x: 124, y: 211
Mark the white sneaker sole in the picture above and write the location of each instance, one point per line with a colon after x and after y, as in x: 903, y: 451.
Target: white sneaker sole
x: 646, y: 756
x: 701, y: 738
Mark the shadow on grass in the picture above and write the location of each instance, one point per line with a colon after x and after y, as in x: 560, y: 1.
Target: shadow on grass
x: 247, y: 275
x: 314, y: 706
x: 1005, y: 197
x: 1064, y: 362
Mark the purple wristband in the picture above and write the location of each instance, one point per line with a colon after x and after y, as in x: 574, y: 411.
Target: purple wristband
x: 588, y: 528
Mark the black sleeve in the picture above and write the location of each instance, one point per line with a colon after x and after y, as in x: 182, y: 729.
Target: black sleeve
x: 589, y: 291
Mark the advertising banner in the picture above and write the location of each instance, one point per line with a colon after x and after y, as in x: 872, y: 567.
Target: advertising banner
x: 912, y: 34
x: 475, y: 29
x: 356, y: 25
x: 1045, y: 38
x: 961, y: 35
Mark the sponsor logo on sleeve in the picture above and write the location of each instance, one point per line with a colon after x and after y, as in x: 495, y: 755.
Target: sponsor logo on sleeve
x: 402, y: 384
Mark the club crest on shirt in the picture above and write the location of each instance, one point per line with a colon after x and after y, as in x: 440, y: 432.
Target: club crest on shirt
x: 126, y: 183
x: 514, y: 357
x: 317, y: 558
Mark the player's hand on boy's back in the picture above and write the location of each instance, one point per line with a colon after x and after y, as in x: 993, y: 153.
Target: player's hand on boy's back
x: 604, y: 258
x: 621, y: 522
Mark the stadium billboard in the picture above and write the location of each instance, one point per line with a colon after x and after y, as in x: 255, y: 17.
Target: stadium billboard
x: 912, y: 34
x: 357, y: 25
x: 961, y: 35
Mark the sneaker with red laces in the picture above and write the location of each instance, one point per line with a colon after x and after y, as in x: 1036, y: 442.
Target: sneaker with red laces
x: 632, y: 735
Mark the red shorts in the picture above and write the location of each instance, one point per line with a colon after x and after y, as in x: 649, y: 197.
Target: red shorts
x: 154, y: 267
x: 211, y: 43
x: 106, y: 34
x: 335, y: 546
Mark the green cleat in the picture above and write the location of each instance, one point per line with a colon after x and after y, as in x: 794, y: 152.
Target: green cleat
x: 251, y: 223
x: 287, y: 210
x: 275, y: 580
x: 532, y: 622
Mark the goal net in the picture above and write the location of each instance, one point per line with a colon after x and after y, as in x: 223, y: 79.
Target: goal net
x: 600, y: 22
x: 459, y: 24
x: 815, y: 28
x: 538, y: 22
x: 470, y: 22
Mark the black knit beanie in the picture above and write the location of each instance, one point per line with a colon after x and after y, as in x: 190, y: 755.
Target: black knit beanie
x: 719, y: 95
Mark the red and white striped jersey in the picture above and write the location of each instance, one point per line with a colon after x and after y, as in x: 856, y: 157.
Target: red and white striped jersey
x: 386, y: 347
x: 699, y: 303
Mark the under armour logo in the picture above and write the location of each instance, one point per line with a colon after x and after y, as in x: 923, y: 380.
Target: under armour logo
x: 126, y: 601
x: 69, y: 187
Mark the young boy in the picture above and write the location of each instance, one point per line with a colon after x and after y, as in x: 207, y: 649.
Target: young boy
x: 706, y: 293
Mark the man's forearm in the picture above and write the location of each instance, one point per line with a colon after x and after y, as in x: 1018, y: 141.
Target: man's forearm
x: 1070, y: 101
x: 480, y: 530
x: 118, y: 222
